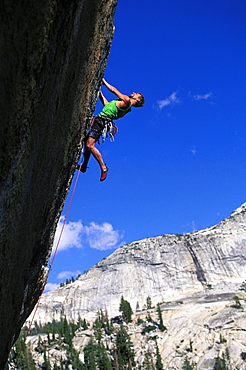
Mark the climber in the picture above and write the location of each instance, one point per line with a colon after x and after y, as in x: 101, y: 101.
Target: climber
x: 102, y: 125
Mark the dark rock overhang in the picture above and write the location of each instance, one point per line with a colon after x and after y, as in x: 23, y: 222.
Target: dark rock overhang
x: 53, y: 57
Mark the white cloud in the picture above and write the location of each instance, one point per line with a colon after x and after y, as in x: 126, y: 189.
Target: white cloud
x: 171, y: 100
x: 202, y: 97
x: 50, y: 286
x: 102, y: 237
x: 76, y: 235
x: 68, y: 235
x: 193, y: 150
x: 68, y: 274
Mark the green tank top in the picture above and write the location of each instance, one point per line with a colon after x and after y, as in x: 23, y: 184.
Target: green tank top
x: 111, y: 110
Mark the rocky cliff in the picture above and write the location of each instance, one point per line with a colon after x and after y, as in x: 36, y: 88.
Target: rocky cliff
x: 166, y: 268
x: 53, y: 56
x: 202, y: 332
x: 199, y: 279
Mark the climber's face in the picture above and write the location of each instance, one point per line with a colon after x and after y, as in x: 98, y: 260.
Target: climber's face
x: 136, y: 97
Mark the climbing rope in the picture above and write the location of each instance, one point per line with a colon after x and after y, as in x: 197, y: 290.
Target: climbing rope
x: 53, y: 255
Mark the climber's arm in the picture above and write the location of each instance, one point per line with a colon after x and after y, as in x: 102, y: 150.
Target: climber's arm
x: 102, y: 98
x: 125, y: 98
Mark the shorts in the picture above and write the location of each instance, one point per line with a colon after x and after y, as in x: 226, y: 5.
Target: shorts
x: 98, y: 127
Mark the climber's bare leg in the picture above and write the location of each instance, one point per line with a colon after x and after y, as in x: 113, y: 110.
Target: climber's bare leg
x: 90, y: 147
x: 87, y: 155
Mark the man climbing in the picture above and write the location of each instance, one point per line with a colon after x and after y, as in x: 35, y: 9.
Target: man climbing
x: 103, y: 123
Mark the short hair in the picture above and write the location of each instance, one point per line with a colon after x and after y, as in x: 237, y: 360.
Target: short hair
x: 141, y: 101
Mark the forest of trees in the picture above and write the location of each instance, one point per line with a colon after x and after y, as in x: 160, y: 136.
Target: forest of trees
x: 96, y: 355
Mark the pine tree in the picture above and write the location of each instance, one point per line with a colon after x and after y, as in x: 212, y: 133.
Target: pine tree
x: 220, y: 363
x: 148, y: 303
x: 102, y: 360
x: 36, y: 328
x: 149, y: 318
x: 84, y: 324
x: 148, y: 362
x: 74, y: 359
x: 97, y: 326
x: 187, y: 365
x: 61, y: 365
x: 237, y: 302
x: 89, y: 356
x: 107, y: 324
x: 66, y: 332
x: 124, y: 349
x: 46, y: 365
x: 23, y: 356
x: 126, y: 310
x: 159, y: 365
x: 53, y: 335
x: 48, y: 338
x: 161, y: 325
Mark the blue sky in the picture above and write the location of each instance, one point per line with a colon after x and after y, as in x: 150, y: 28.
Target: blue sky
x: 178, y: 164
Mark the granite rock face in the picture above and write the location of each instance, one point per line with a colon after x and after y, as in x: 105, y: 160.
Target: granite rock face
x: 53, y: 56
x: 198, y: 330
x: 165, y: 268
x: 199, y: 279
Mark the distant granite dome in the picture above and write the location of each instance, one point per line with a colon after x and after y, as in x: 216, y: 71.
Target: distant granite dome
x: 166, y: 268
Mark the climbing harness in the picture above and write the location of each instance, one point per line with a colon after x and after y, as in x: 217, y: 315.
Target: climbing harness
x: 110, y: 130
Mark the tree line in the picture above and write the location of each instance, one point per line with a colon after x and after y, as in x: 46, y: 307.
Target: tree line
x: 97, y: 354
